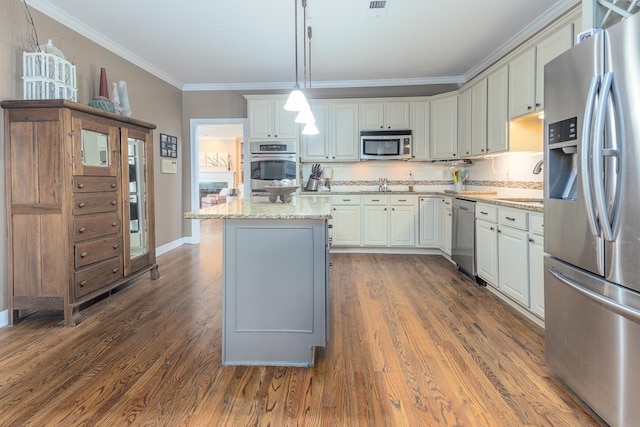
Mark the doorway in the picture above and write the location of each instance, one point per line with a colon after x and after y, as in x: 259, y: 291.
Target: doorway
x: 217, y: 160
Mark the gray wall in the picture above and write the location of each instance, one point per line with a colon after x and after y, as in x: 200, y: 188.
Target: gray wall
x: 152, y: 100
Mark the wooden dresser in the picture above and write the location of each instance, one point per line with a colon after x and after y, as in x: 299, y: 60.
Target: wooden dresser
x: 79, y: 204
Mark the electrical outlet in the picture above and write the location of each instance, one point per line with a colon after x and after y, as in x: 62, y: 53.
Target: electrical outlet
x: 508, y: 176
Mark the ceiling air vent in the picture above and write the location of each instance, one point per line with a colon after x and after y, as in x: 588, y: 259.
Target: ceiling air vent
x: 378, y: 7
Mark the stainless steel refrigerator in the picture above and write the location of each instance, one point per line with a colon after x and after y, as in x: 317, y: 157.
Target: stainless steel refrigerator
x: 592, y: 221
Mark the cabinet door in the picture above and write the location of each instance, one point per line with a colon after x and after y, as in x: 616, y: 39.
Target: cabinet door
x: 444, y: 127
x: 346, y: 137
x: 547, y: 50
x: 420, y: 112
x: 513, y: 260
x: 464, y: 123
x: 522, y: 81
x: 429, y: 222
x: 536, y: 273
x: 402, y: 226
x: 284, y: 126
x: 497, y: 111
x: 487, y: 251
x: 96, y: 148
x: 315, y: 148
x: 375, y: 225
x: 372, y: 115
x: 396, y: 115
x: 445, y: 229
x: 260, y: 112
x: 346, y: 225
x: 479, y: 117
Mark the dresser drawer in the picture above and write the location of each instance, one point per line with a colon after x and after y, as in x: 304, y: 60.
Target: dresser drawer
x: 375, y: 199
x: 94, y: 226
x: 95, y: 277
x: 92, y: 203
x: 347, y: 199
x: 97, y: 250
x: 487, y: 212
x: 402, y: 200
x: 92, y: 184
x: 515, y: 218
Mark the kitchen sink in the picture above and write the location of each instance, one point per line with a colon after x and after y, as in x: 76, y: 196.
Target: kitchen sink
x: 525, y: 200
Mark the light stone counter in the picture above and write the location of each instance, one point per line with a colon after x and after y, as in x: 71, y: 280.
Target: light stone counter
x: 259, y: 207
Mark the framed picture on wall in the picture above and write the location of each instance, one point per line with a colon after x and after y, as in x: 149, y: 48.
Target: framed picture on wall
x: 168, y: 146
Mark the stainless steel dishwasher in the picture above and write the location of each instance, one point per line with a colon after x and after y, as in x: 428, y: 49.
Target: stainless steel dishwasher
x: 463, y: 235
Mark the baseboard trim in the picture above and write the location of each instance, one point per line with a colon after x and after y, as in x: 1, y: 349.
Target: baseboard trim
x: 4, y: 318
x: 169, y: 246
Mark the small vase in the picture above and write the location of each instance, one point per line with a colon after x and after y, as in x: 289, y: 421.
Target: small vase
x: 124, y: 98
x: 115, y: 98
x: 104, y: 86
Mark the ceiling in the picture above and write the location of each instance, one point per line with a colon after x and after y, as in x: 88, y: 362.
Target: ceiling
x: 249, y: 44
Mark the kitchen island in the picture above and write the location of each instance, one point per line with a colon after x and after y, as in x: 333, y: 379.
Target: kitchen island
x: 275, y: 279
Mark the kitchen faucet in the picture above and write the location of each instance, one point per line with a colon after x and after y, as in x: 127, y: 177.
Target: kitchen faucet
x: 538, y: 167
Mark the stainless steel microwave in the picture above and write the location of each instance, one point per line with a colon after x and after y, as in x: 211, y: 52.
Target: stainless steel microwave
x: 385, y: 145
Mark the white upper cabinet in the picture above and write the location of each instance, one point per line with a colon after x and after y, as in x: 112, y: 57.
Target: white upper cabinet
x: 419, y: 125
x: 317, y: 148
x: 464, y: 123
x: 382, y: 115
x: 526, y: 72
x: 269, y: 120
x: 444, y: 127
x: 497, y: 112
x: 479, y: 117
x: 338, y: 138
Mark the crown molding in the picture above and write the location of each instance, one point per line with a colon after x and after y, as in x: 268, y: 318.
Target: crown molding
x: 557, y: 10
x: 68, y: 21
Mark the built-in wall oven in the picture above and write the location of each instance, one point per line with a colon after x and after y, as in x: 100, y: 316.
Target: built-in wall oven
x: 272, y: 161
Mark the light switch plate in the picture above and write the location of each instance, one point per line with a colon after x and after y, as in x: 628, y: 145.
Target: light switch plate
x: 169, y: 166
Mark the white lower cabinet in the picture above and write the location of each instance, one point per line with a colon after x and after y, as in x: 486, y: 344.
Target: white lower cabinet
x: 445, y: 229
x: 513, y: 254
x: 536, y: 263
x: 487, y: 243
x: 346, y: 212
x: 429, y: 221
x: 375, y: 220
x: 402, y: 221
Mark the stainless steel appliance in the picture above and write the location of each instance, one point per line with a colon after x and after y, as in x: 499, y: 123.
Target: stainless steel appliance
x: 591, y: 218
x: 463, y: 235
x: 385, y: 145
x: 272, y: 161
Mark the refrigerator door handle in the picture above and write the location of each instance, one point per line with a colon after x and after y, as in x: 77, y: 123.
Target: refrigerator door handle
x: 597, y: 158
x: 622, y: 310
x: 585, y: 176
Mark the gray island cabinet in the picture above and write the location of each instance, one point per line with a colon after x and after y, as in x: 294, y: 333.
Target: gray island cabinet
x: 275, y: 279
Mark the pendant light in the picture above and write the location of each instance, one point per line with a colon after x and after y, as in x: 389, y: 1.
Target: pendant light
x: 304, y: 116
x: 296, y: 101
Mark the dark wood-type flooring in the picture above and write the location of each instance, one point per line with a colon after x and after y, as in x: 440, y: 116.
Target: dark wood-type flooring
x: 413, y: 343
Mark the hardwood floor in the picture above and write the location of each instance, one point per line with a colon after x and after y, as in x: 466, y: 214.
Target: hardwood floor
x: 413, y: 343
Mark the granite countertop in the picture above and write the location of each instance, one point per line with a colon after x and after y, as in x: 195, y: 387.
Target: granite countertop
x: 259, y: 207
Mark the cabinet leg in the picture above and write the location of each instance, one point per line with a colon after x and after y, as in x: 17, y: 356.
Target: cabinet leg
x: 155, y: 273
x: 14, y: 317
x: 71, y: 316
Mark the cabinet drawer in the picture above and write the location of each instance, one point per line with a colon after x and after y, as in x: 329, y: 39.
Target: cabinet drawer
x: 94, y: 226
x: 97, y: 250
x: 536, y: 223
x: 375, y: 199
x: 402, y: 200
x: 92, y: 203
x: 487, y: 212
x: 95, y: 277
x: 515, y: 218
x: 348, y: 199
x: 92, y: 184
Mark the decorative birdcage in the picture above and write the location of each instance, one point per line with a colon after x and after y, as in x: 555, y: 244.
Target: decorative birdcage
x: 48, y: 75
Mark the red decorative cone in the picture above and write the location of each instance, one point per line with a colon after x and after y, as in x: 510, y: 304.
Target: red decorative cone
x: 104, y: 89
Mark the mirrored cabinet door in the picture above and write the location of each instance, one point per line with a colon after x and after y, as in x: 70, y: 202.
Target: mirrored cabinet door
x: 97, y: 149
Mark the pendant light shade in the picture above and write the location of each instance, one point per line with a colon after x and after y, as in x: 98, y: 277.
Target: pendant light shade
x: 305, y: 116
x: 310, y: 129
x: 296, y: 101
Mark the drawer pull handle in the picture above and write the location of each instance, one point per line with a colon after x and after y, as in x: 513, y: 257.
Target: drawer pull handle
x: 80, y: 185
x: 81, y: 205
x: 113, y: 224
x: 115, y: 270
x: 484, y: 213
x: 83, y: 255
x: 375, y: 200
x: 113, y: 185
x: 81, y: 230
x: 84, y: 282
x: 113, y: 203
x: 509, y: 218
x: 115, y: 246
x: 402, y: 200
x: 346, y: 200
x: 531, y: 240
x: 491, y: 228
